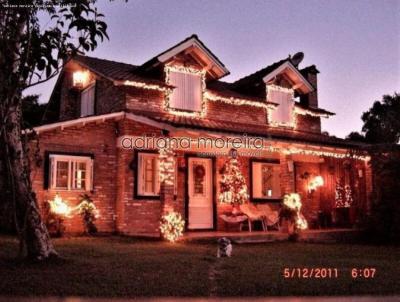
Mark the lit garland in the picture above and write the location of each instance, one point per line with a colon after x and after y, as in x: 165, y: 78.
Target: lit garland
x: 291, y: 151
x: 148, y: 86
x: 293, y: 120
x: 167, y: 164
x: 59, y: 207
x: 303, y: 111
x: 172, y: 226
x: 167, y: 104
x: 236, y: 101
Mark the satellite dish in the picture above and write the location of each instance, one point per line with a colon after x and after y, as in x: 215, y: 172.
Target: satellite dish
x: 297, y: 58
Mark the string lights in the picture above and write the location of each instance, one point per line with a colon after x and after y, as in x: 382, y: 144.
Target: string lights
x: 171, y: 226
x: 167, y: 164
x: 183, y: 69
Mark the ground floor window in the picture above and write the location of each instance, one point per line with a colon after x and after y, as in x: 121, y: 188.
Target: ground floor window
x: 265, y: 179
x: 148, y: 176
x: 70, y: 172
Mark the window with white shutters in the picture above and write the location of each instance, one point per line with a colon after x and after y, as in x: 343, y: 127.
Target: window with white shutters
x: 187, y: 95
x: 283, y: 114
x: 87, y: 101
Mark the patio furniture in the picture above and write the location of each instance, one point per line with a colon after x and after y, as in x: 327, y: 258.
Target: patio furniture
x: 234, y: 219
x: 253, y: 214
x: 271, y: 217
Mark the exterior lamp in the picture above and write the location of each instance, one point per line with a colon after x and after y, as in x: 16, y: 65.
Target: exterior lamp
x: 80, y: 78
x: 317, y: 182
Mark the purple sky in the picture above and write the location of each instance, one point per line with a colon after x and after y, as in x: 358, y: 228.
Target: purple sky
x: 355, y: 44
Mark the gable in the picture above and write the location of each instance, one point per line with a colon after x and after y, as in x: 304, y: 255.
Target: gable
x: 193, y: 49
x: 292, y: 75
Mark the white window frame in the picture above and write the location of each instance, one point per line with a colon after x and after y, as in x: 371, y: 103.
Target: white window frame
x: 140, y: 175
x: 85, y: 111
x: 72, y: 161
x: 276, y: 192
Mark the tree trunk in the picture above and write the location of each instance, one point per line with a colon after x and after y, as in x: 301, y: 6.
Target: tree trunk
x: 34, y: 236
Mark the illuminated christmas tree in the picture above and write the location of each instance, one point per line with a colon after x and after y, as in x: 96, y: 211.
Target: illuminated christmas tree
x: 233, y: 188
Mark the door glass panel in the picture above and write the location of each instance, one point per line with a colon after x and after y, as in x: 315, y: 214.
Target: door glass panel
x: 199, y: 173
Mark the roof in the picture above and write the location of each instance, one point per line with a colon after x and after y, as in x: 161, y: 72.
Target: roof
x: 249, y: 129
x: 114, y: 71
x: 172, y: 123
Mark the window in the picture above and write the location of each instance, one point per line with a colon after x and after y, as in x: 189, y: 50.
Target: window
x: 87, y: 101
x: 69, y: 172
x: 265, y: 180
x: 283, y: 114
x: 148, y: 177
x: 187, y: 95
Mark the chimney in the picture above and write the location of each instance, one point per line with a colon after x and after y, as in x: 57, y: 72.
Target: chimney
x: 310, y: 99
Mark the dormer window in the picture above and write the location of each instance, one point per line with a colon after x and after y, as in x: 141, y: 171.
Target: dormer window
x: 187, y: 94
x: 87, y: 100
x: 282, y: 115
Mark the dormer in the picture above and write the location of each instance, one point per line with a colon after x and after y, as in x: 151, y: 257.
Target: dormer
x: 187, y: 67
x: 282, y: 85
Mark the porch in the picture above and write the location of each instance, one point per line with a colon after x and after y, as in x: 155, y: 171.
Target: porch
x: 333, y: 235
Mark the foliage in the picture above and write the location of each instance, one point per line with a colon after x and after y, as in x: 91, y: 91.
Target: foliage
x: 381, y: 122
x: 54, y: 222
x: 171, y: 226
x: 89, y: 214
x: 31, y: 54
x: 233, y: 188
x: 35, y: 114
x: 382, y: 129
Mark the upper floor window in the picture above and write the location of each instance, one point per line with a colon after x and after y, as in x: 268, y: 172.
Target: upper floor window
x: 283, y: 114
x: 69, y: 172
x: 87, y: 101
x: 187, y: 95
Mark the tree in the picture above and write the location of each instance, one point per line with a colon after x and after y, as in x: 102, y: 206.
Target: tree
x: 381, y: 122
x: 381, y: 130
x: 30, y: 55
x: 233, y: 188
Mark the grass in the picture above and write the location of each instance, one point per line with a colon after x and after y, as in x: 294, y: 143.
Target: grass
x: 126, y: 267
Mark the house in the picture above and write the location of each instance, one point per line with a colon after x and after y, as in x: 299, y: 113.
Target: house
x: 271, y: 117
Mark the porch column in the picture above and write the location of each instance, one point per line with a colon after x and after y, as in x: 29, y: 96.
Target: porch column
x: 167, y: 178
x: 368, y: 186
x: 287, y: 174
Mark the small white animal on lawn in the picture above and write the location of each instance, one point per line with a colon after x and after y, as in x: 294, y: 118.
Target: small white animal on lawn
x: 224, y: 247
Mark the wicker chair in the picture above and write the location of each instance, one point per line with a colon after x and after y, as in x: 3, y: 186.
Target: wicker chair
x: 253, y: 214
x: 271, y: 217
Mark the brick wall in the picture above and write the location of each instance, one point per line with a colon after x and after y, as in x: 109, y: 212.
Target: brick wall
x: 96, y: 139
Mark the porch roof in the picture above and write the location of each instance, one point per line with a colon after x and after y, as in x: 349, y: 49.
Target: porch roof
x: 236, y: 128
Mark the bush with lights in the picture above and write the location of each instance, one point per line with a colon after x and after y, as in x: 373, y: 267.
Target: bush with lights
x: 89, y: 214
x: 171, y: 226
x: 291, y: 211
x: 56, y: 210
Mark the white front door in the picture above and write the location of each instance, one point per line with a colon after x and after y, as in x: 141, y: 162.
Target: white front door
x: 200, y: 186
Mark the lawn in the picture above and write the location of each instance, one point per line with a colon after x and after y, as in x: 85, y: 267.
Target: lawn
x: 126, y: 267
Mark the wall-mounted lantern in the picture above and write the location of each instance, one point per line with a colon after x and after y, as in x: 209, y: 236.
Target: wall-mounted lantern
x: 80, y: 79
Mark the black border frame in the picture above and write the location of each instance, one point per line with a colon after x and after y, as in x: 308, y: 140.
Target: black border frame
x: 267, y: 161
